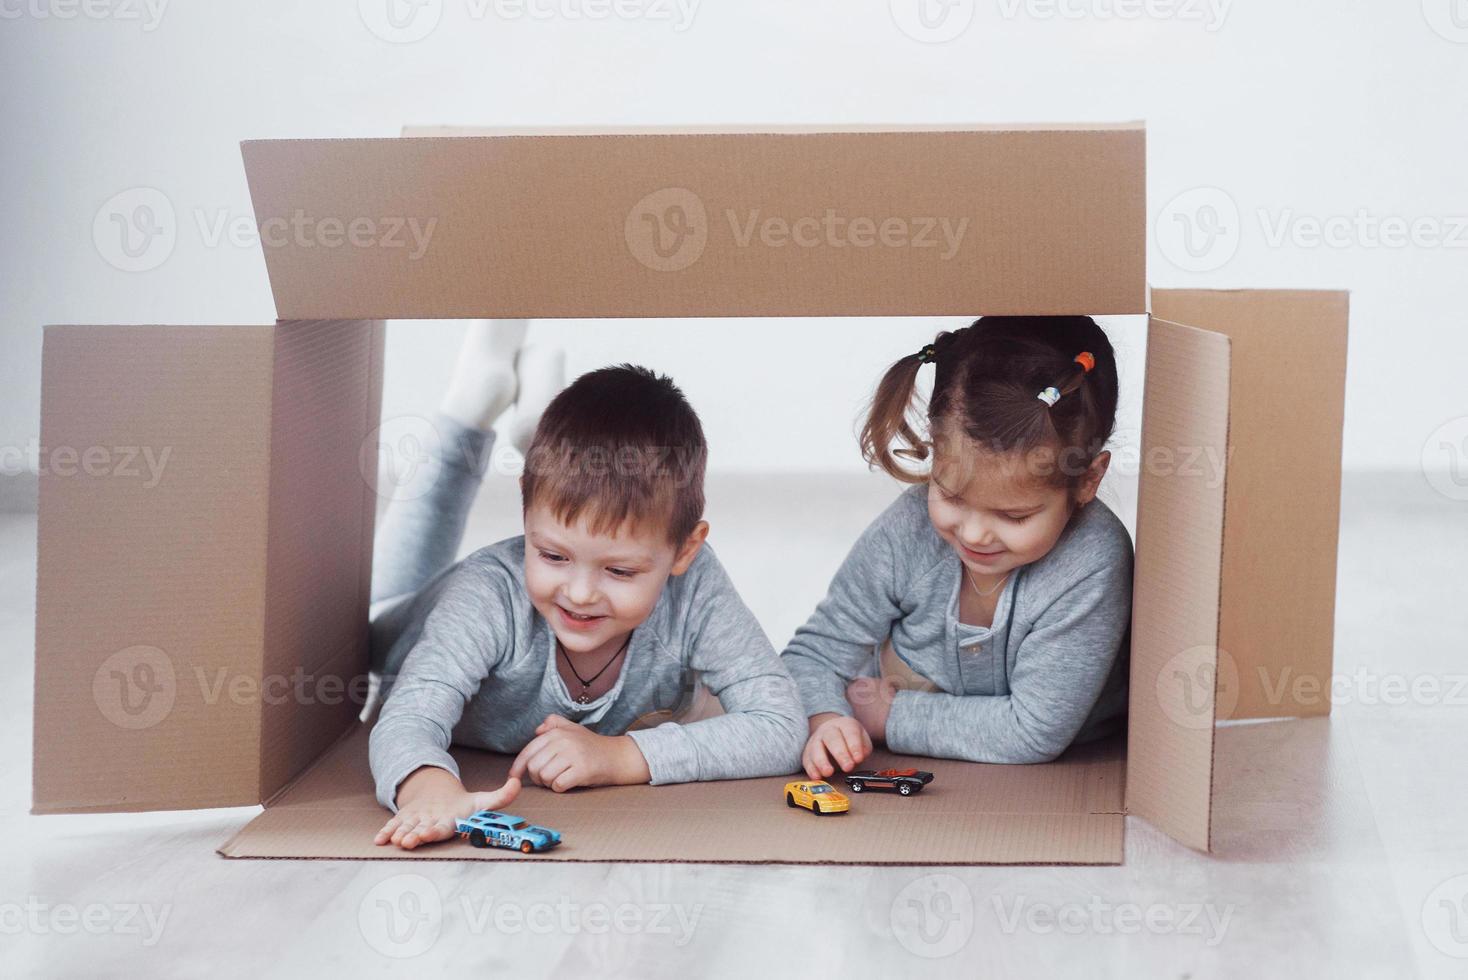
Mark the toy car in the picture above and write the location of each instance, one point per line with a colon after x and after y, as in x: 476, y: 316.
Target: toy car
x: 905, y: 781
x: 817, y: 797
x: 489, y: 828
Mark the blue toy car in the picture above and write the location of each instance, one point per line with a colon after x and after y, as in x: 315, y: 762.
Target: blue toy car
x: 489, y: 828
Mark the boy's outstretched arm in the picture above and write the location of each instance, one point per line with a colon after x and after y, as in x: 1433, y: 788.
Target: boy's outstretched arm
x: 431, y: 801
x: 457, y: 648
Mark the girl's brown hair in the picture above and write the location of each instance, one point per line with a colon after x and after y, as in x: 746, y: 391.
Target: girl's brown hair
x: 986, y: 387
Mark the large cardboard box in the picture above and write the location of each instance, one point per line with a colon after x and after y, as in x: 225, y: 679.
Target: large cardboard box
x: 201, y: 639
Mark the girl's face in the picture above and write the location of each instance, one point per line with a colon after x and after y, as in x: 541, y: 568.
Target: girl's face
x: 593, y: 589
x: 999, y: 511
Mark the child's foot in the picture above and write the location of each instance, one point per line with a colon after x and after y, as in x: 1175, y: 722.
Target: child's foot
x: 540, y: 374
x: 484, y: 382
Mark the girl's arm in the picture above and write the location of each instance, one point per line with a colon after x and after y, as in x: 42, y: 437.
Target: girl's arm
x: 1060, y: 670
x: 837, y: 644
x: 463, y: 637
x: 762, y: 730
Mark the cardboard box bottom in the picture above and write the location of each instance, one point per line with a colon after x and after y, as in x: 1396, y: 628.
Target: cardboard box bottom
x: 1065, y: 812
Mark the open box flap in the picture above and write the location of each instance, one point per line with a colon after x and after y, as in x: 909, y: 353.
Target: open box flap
x: 198, y: 628
x: 1016, y: 220
x: 133, y: 707
x: 1282, y: 518
x: 1175, y: 611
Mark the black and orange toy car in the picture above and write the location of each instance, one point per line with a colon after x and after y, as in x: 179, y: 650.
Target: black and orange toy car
x: 904, y: 781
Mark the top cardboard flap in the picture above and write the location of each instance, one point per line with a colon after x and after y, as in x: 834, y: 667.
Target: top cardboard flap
x: 150, y: 567
x: 1180, y: 527
x: 1020, y: 220
x: 1281, y: 526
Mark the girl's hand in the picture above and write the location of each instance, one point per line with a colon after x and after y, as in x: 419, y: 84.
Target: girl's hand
x: 834, y: 737
x: 871, y: 703
x: 563, y: 755
x: 430, y: 800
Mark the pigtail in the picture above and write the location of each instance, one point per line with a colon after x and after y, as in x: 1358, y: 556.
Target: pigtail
x: 1080, y: 414
x: 891, y: 413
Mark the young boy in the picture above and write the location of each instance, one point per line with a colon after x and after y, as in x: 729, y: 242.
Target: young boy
x: 554, y: 644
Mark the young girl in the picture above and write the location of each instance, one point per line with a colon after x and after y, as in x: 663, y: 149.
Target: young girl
x: 999, y: 583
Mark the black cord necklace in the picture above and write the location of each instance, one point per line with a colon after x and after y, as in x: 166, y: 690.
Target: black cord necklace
x: 584, y: 697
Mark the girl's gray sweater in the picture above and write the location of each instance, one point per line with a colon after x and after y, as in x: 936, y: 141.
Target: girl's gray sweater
x: 1049, y: 672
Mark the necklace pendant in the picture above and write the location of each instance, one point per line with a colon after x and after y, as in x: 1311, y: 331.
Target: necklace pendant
x: 583, y: 697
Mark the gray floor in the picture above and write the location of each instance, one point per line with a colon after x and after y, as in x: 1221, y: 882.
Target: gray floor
x: 1340, y: 843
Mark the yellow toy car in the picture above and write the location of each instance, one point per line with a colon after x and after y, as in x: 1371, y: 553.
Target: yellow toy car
x: 818, y: 798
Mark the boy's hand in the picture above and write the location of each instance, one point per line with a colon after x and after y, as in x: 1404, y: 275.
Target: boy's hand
x: 871, y: 703
x: 834, y: 737
x: 563, y: 755
x: 430, y: 800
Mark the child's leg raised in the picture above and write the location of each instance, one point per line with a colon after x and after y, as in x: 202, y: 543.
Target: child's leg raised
x: 422, y: 529
x: 420, y: 534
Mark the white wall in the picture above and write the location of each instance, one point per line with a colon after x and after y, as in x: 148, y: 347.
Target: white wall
x: 1305, y: 110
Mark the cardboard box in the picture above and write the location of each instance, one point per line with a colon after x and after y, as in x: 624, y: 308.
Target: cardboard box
x: 197, y: 638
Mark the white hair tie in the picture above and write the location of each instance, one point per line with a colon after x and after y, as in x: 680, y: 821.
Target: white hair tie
x: 1049, y: 396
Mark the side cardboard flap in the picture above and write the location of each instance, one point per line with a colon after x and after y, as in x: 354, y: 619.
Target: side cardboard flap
x: 1175, y: 613
x: 1021, y: 220
x: 326, y: 400
x: 1281, y: 526
x: 151, y: 567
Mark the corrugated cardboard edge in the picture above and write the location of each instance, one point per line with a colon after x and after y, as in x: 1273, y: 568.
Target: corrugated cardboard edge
x: 1287, y: 379
x: 318, y: 544
x: 771, y: 129
x: 1178, y: 592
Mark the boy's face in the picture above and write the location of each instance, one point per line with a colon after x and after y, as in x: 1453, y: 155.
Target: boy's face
x: 593, y: 589
x: 998, y: 511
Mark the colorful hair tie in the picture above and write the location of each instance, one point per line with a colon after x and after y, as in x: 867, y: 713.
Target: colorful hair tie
x: 1086, y: 360
x: 1050, y: 395
x: 927, y: 354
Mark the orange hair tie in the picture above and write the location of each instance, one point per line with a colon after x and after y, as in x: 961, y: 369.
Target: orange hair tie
x: 1086, y: 360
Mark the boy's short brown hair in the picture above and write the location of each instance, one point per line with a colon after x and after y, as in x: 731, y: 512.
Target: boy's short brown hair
x: 619, y: 444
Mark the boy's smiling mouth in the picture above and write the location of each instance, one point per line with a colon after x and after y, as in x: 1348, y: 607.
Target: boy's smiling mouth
x: 576, y: 620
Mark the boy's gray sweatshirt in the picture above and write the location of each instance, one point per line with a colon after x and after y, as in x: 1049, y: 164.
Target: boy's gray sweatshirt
x: 480, y: 671
x: 1050, y: 671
